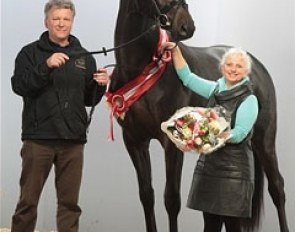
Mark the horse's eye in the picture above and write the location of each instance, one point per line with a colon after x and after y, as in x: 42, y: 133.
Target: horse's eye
x: 183, y: 4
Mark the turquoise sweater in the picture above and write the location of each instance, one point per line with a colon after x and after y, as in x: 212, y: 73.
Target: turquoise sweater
x: 246, y: 113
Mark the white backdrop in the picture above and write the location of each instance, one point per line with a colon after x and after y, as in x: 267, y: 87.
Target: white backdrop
x: 109, y: 194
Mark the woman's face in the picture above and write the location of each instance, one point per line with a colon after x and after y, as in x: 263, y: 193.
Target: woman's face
x: 234, y: 69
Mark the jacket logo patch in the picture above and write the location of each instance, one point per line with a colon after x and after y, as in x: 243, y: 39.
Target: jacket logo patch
x: 80, y: 63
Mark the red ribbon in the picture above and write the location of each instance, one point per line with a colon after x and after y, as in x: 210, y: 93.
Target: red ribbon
x: 122, y: 99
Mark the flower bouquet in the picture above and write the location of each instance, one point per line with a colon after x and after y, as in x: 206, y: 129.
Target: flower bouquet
x: 197, y: 129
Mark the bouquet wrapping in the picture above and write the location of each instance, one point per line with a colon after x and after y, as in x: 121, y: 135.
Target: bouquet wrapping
x: 197, y: 129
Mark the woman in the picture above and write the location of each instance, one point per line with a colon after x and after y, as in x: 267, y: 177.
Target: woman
x: 223, y: 181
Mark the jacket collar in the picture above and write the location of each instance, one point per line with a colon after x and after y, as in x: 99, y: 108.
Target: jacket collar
x: 48, y: 45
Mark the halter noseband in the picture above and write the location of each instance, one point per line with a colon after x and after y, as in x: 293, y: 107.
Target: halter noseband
x: 162, y: 13
x: 172, y: 4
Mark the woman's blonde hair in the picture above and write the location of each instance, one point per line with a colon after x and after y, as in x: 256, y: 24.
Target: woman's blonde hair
x: 241, y: 52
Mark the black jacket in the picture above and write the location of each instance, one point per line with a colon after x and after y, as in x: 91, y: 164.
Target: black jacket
x: 55, y: 99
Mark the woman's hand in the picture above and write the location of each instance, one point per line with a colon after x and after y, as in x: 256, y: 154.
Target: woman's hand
x: 177, y: 57
x: 168, y: 46
x: 225, y: 135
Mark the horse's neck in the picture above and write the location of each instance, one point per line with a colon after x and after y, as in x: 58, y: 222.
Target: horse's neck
x: 135, y: 47
x: 132, y: 58
x: 146, y: 8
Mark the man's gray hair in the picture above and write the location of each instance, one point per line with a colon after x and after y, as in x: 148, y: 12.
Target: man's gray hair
x: 60, y: 4
x: 238, y: 51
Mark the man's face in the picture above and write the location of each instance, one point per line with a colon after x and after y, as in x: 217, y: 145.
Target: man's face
x: 59, y: 24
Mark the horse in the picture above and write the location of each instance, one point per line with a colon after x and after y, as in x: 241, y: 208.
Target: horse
x: 137, y: 34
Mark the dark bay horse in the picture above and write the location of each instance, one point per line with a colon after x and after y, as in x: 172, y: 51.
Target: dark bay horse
x: 141, y: 120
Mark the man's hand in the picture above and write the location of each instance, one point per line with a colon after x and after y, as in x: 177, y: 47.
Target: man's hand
x: 101, y: 76
x: 56, y: 60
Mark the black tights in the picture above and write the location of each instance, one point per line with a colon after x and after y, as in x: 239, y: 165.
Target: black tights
x: 213, y: 223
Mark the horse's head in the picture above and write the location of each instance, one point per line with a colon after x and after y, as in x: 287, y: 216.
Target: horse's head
x: 172, y: 15
x: 175, y: 17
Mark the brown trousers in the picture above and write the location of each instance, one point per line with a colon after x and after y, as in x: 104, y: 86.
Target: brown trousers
x: 37, y: 160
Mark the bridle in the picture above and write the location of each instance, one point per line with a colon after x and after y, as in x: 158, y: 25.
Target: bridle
x: 162, y: 13
x: 172, y: 4
x: 161, y: 20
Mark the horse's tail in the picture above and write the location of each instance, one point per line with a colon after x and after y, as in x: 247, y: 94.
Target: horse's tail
x: 253, y: 223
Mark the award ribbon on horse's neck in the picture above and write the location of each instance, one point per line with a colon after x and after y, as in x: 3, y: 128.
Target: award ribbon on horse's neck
x: 122, y: 99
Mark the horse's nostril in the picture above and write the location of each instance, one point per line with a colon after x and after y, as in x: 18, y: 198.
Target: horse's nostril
x: 187, y: 30
x: 184, y: 27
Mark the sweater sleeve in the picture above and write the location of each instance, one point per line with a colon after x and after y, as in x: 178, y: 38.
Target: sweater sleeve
x: 245, y: 118
x: 195, y: 83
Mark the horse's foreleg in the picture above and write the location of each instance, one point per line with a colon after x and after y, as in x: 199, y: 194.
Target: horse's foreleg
x: 139, y: 154
x: 174, y: 163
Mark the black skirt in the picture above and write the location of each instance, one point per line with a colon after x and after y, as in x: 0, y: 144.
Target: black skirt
x: 223, y: 182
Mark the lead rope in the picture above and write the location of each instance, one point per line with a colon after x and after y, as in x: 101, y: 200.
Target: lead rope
x: 94, y: 100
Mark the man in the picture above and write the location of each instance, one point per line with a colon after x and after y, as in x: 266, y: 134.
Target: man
x: 56, y: 86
